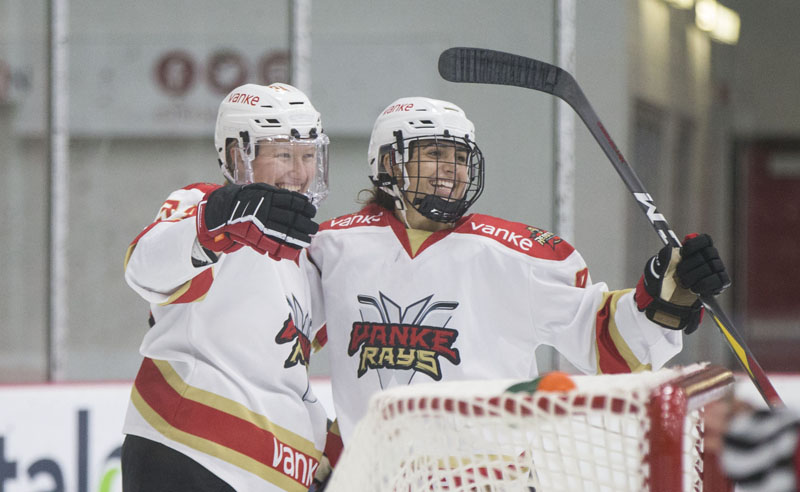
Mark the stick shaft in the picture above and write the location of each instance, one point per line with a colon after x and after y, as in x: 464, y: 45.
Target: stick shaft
x: 476, y: 65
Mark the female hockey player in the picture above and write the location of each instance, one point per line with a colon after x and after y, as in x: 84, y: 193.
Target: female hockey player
x: 413, y: 290
x: 222, y: 400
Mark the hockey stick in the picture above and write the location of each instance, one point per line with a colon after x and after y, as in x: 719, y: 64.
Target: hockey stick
x: 482, y: 66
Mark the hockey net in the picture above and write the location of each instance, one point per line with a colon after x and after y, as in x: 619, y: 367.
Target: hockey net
x: 613, y: 433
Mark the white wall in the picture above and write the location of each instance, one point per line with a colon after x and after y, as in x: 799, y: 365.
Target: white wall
x: 602, y: 67
x: 363, y: 57
x: 764, y: 89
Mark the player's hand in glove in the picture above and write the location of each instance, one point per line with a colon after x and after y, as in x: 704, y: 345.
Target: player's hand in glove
x: 673, y: 279
x: 266, y: 218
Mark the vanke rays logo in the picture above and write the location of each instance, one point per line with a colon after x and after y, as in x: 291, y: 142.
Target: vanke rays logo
x: 297, y: 327
x: 398, y: 342
x: 543, y: 237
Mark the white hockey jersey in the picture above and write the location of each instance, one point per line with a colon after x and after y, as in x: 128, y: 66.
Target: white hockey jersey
x: 473, y: 302
x: 224, y: 378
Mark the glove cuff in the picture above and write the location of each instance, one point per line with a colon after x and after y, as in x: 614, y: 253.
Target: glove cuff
x: 667, y: 314
x: 218, y: 241
x: 202, y: 256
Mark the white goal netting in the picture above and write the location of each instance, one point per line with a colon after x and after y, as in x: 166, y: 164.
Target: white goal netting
x: 614, y: 433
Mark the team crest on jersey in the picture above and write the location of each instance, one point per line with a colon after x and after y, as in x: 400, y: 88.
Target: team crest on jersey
x: 398, y: 341
x: 543, y: 237
x: 297, y: 328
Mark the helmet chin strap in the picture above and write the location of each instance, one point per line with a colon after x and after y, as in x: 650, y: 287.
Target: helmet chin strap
x: 399, y: 200
x: 247, y: 153
x: 388, y: 183
x: 438, y: 209
x: 399, y: 204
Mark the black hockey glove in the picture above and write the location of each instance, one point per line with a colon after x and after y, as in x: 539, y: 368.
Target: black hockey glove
x: 266, y: 218
x: 673, y: 279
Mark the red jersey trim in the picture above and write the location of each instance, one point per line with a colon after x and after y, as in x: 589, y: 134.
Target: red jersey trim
x: 528, y: 240
x: 205, y: 422
x: 614, y: 356
x: 193, y: 290
x: 374, y: 215
x: 401, y: 233
x: 320, y: 339
x: 334, y: 444
x: 609, y: 360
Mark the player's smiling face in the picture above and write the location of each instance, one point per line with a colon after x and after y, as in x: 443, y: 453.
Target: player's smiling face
x: 438, y: 168
x: 286, y: 164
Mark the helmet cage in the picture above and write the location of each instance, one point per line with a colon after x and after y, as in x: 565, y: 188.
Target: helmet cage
x: 443, y: 195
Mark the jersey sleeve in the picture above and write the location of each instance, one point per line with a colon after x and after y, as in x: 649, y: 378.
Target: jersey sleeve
x: 158, y: 263
x: 309, y: 266
x: 597, y: 330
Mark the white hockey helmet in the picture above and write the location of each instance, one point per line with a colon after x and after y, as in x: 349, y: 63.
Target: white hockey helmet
x: 277, y: 114
x: 415, y: 119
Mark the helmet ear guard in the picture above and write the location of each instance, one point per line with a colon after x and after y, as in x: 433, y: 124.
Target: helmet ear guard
x: 385, y: 178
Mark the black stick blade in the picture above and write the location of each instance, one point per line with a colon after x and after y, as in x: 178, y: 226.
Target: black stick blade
x: 478, y: 65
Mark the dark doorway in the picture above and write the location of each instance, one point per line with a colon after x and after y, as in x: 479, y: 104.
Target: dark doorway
x: 768, y: 250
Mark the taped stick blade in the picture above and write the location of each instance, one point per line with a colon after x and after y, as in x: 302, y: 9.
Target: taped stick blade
x: 447, y: 65
x: 483, y: 66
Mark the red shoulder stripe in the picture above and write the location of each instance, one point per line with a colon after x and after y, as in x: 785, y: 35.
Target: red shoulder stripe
x: 529, y: 240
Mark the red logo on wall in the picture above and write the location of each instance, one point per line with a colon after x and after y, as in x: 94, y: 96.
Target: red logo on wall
x: 175, y: 72
x: 226, y: 71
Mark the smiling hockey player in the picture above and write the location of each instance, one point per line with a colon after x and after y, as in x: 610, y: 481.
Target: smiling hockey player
x: 222, y: 401
x: 412, y: 289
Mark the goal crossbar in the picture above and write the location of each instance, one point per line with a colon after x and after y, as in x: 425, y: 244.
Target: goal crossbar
x: 634, y: 432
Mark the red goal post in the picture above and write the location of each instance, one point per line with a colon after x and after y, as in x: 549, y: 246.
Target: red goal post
x: 613, y: 433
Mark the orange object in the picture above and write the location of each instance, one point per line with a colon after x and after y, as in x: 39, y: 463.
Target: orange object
x: 556, y: 381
